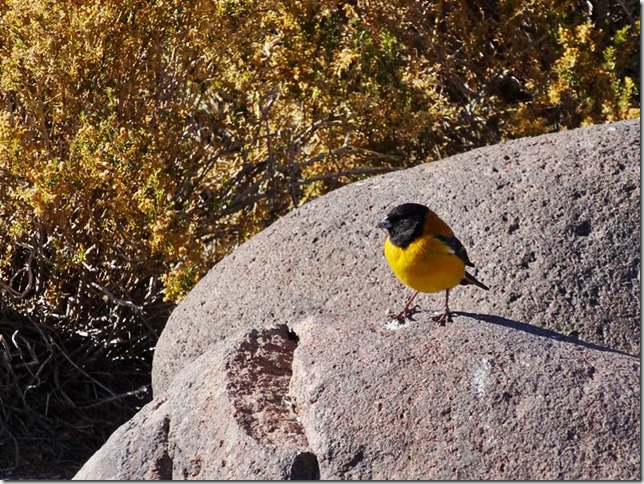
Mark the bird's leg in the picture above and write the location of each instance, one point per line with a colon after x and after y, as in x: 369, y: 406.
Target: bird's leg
x: 405, y: 311
x: 446, y: 317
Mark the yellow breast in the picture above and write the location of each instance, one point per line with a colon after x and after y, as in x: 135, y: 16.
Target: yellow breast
x: 426, y: 265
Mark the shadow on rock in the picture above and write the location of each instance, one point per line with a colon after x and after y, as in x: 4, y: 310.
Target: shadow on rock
x: 538, y: 331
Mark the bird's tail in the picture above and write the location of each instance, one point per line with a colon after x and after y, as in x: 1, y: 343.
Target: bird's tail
x: 470, y: 279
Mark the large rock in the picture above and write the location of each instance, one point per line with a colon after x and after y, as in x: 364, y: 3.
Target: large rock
x: 224, y: 418
x: 282, y: 364
x: 483, y: 398
x: 338, y: 398
x: 551, y: 222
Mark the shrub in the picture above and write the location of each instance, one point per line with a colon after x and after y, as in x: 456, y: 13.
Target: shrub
x: 141, y: 141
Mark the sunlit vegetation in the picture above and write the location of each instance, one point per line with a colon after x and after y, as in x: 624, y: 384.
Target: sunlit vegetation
x: 141, y: 141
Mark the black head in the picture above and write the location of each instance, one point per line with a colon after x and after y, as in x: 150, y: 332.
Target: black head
x: 405, y: 223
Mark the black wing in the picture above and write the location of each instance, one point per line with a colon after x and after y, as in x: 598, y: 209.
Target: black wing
x: 455, y: 244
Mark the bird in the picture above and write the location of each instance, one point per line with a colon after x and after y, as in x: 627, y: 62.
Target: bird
x: 425, y: 255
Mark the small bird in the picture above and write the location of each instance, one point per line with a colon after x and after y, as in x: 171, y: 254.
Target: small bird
x: 425, y: 255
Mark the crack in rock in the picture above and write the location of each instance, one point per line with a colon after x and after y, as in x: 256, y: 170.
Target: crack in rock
x: 162, y: 467
x: 259, y: 376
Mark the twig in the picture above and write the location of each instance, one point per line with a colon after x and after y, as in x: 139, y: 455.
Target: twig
x: 30, y: 280
x: 83, y: 372
x: 116, y: 300
x: 323, y: 155
x: 354, y: 171
x: 16, y: 447
x: 138, y: 391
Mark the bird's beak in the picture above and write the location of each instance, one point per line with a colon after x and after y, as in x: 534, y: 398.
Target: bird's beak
x: 385, y: 224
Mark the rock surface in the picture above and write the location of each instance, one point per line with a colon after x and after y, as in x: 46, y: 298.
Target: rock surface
x: 339, y: 398
x: 281, y: 362
x: 477, y: 399
x: 225, y: 418
x: 551, y: 222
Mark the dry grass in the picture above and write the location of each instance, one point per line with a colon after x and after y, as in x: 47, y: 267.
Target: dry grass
x: 61, y: 397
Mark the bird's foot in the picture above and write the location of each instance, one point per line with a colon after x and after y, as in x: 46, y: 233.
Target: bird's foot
x: 406, y: 313
x: 441, y: 319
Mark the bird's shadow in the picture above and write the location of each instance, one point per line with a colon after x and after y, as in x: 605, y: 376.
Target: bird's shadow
x: 537, y: 331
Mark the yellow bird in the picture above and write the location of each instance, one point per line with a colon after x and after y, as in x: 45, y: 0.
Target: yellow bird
x: 425, y: 255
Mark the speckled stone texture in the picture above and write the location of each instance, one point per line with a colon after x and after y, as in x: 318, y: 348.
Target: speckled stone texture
x: 476, y: 399
x: 282, y: 364
x: 339, y: 398
x: 552, y: 224
x: 225, y: 417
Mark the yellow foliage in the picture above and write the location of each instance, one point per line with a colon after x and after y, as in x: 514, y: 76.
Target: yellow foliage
x: 141, y: 141
x: 585, y: 81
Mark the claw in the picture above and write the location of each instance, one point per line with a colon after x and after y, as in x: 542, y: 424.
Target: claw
x: 441, y: 319
x: 406, y: 313
x: 446, y: 317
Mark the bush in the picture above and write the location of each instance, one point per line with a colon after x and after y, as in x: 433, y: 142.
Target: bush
x: 141, y: 141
